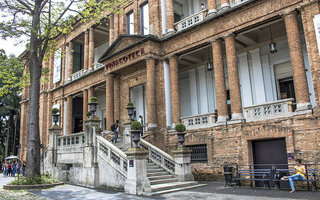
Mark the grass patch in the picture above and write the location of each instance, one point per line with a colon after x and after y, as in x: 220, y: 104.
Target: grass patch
x: 43, y: 179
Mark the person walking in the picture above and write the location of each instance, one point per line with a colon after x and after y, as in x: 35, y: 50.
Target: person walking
x: 13, y: 166
x: 141, y: 121
x: 300, y: 174
x: 5, y: 168
x: 9, y: 168
x: 23, y: 167
x: 115, y: 131
x: 18, y: 165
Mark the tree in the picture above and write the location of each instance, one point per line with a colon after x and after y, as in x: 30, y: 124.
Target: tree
x: 41, y: 21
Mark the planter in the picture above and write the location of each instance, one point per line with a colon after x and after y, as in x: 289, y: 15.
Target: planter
x: 55, y: 118
x: 135, y: 137
x: 93, y: 108
x: 181, y: 138
x: 130, y: 111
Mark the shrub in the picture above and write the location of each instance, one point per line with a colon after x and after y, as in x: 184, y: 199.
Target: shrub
x: 130, y: 104
x: 136, y: 125
x: 180, y: 128
x: 93, y: 100
x: 43, y: 179
x: 55, y: 110
x: 89, y: 114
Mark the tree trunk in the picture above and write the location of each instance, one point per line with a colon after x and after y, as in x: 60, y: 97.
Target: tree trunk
x: 13, y: 148
x: 6, y: 152
x: 33, y: 138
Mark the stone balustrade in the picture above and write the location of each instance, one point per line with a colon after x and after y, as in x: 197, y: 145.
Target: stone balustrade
x: 158, y: 156
x: 70, y: 140
x: 199, y: 121
x: 70, y: 148
x: 190, y: 20
x: 77, y: 75
x: 97, y: 66
x: 281, y: 108
x: 112, y: 155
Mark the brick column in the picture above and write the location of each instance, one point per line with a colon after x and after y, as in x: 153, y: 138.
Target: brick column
x: 85, y: 107
x: 233, y: 73
x: 49, y: 108
x: 115, y: 26
x: 170, y: 16
x: 220, y: 83
x: 69, y: 115
x: 175, y: 93
x: 225, y: 4
x: 90, y: 94
x: 151, y: 92
x: 212, y: 6
x: 86, y: 50
x: 111, y: 32
x: 116, y: 82
x: 91, y: 48
x: 297, y: 63
x: 109, y: 101
x: 70, y: 60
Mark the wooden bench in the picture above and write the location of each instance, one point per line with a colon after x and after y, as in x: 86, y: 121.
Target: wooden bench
x: 311, y: 177
x: 253, y: 175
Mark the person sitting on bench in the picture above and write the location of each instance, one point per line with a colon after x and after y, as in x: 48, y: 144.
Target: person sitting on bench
x: 300, y: 174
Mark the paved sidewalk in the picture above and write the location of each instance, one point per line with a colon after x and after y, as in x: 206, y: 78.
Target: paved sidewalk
x: 214, y: 190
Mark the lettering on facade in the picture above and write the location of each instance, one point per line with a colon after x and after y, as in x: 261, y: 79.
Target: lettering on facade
x: 126, y: 58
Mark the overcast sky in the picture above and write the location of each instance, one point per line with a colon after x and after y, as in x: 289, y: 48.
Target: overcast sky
x: 11, y: 47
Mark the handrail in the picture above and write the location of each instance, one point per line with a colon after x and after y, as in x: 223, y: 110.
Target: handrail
x: 158, y: 156
x: 271, y: 103
x: 71, y: 135
x: 116, y: 158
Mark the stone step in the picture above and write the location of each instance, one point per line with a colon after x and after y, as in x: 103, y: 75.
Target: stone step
x: 173, y: 185
x: 151, y: 164
x: 153, y: 167
x: 174, y: 190
x: 157, y: 173
x: 152, y: 178
x: 162, y: 181
x: 155, y: 170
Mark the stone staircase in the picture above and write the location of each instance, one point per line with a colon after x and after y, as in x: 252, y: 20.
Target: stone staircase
x: 163, y: 182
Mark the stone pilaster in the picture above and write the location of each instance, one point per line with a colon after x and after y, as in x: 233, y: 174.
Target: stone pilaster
x: 182, y: 159
x: 297, y: 63
x: 151, y: 92
x: 90, y: 149
x: 175, y: 93
x: 69, y: 115
x: 137, y: 182
x: 85, y: 106
x: 54, y: 131
x: 70, y: 60
x: 212, y: 7
x: 170, y: 16
x: 91, y: 48
x: 220, y: 83
x: 233, y: 73
x: 86, y: 50
x: 109, y: 101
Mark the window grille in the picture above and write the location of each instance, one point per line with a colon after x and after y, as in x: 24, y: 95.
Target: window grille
x: 199, y: 153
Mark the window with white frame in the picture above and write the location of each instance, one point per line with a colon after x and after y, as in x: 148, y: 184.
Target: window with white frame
x: 145, y: 19
x: 130, y: 23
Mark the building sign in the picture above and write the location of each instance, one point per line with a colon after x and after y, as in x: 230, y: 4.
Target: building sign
x: 57, y: 66
x: 316, y: 21
x: 122, y: 60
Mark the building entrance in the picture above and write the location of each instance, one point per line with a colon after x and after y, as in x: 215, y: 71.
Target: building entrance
x: 266, y: 152
x: 137, y: 97
x: 77, y: 109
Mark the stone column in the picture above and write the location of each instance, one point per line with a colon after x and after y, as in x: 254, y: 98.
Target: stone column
x: 212, y: 7
x: 85, y: 107
x: 69, y: 115
x: 182, y: 159
x: 220, y: 82
x: 170, y: 16
x: 54, y: 131
x: 109, y: 101
x: 86, y: 50
x: 70, y: 61
x: 91, y: 48
x: 137, y: 181
x: 175, y: 93
x: 296, y: 56
x: 225, y: 4
x: 233, y: 73
x: 151, y: 92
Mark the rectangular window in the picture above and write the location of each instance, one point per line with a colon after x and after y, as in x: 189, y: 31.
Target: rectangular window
x: 78, y: 52
x: 199, y: 153
x: 130, y: 23
x: 145, y: 19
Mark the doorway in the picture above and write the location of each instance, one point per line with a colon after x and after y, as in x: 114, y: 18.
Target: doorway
x: 138, y: 98
x: 77, y: 117
x: 266, y: 152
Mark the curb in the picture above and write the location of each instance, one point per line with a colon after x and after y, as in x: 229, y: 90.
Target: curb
x: 28, y: 187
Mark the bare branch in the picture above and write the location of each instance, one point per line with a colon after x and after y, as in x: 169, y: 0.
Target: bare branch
x: 64, y: 12
x: 25, y: 5
x: 43, y: 4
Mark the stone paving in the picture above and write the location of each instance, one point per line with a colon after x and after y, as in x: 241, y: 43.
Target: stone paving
x: 213, y: 190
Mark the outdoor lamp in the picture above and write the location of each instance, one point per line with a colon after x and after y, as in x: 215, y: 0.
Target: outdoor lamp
x: 272, y: 45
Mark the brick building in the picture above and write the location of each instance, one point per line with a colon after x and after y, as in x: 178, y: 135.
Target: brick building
x: 242, y: 75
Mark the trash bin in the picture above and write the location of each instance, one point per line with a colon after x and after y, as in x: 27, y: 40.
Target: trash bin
x: 228, y: 172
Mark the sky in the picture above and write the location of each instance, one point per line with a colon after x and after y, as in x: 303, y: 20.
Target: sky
x: 11, y: 47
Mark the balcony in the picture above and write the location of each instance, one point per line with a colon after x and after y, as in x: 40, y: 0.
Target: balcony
x: 97, y: 66
x: 77, y: 75
x: 190, y: 20
x: 276, y: 109
x: 199, y: 121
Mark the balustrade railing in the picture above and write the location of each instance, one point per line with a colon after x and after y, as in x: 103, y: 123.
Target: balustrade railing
x: 190, y: 20
x: 97, y: 65
x: 270, y: 110
x: 77, y: 74
x: 199, y: 121
x: 70, y: 140
x: 158, y: 156
x: 112, y: 155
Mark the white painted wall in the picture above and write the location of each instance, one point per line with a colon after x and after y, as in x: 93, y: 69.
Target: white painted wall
x: 167, y: 92
x: 99, y: 51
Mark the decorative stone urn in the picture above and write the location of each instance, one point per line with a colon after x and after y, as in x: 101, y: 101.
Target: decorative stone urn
x: 93, y: 105
x: 130, y: 107
x: 180, y: 128
x: 55, y: 115
x: 136, y: 129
